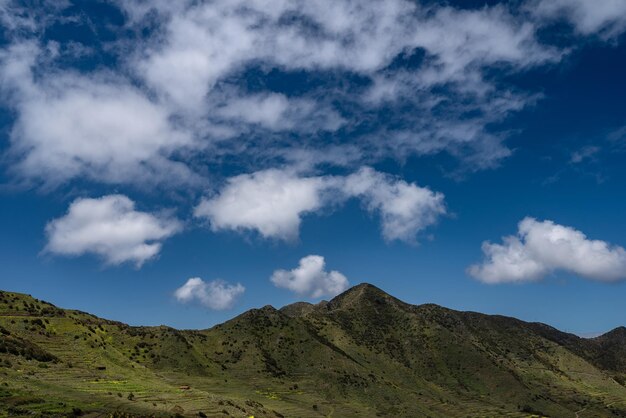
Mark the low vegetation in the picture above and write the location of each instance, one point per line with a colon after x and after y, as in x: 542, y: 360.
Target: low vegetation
x: 362, y: 354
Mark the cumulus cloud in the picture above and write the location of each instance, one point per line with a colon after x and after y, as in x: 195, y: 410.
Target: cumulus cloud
x: 111, y: 228
x: 216, y: 294
x: 71, y: 126
x: 273, y: 202
x: 404, y: 208
x: 542, y: 247
x: 311, y: 279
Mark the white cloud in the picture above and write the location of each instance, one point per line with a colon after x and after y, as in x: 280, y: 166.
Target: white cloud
x: 111, y: 228
x: 270, y: 202
x: 606, y: 18
x: 18, y: 18
x: 196, y: 90
x: 216, y: 294
x: 266, y: 110
x: 405, y: 208
x: 180, y: 98
x: 463, y: 41
x: 278, y: 112
x: 71, y: 126
x: 310, y: 278
x: 540, y: 248
x: 204, y: 44
x: 273, y: 202
x: 207, y: 41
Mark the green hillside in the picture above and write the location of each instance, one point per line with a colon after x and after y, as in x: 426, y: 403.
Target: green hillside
x: 363, y: 354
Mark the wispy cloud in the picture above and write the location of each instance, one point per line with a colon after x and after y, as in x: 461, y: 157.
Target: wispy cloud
x: 180, y: 95
x: 585, y: 153
x: 605, y: 18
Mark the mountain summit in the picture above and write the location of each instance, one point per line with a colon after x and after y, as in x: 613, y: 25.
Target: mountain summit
x: 361, y: 295
x: 363, y: 353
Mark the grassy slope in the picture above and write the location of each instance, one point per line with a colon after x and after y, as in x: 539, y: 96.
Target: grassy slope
x: 364, y: 353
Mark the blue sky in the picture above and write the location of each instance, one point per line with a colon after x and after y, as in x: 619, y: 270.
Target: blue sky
x: 180, y: 164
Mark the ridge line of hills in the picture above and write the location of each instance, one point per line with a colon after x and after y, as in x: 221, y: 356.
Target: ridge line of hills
x: 363, y: 353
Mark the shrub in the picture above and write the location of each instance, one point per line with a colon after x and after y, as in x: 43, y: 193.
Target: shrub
x: 38, y: 322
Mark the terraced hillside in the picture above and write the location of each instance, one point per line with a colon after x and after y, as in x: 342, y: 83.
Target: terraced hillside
x: 362, y: 354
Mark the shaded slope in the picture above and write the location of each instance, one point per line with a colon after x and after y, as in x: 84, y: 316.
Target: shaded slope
x: 612, y: 350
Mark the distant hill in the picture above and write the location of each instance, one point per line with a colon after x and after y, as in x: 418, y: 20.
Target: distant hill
x: 362, y: 354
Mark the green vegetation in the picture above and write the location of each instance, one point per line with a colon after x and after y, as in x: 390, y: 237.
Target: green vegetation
x: 362, y: 354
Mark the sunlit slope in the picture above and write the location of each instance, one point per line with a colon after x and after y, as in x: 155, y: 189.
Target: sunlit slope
x: 364, y: 353
x: 98, y: 365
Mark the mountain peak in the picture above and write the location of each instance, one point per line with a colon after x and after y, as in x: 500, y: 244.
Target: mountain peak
x: 363, y: 293
x: 618, y: 333
x: 365, y: 285
x: 297, y: 309
x: 363, y: 289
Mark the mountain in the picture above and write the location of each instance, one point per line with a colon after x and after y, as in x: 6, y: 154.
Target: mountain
x: 362, y: 354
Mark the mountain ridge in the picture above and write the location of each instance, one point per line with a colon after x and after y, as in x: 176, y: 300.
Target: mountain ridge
x: 363, y: 353
x: 621, y: 329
